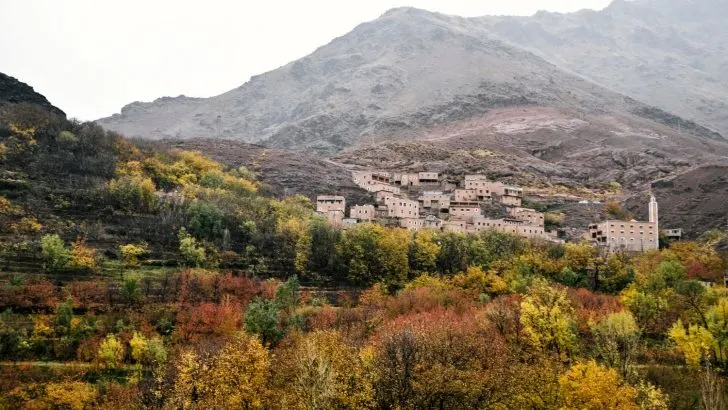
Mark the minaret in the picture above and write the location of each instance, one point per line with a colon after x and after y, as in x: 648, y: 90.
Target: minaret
x: 654, y: 218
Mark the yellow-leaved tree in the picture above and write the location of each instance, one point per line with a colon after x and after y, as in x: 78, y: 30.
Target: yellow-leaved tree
x: 235, y: 377
x: 547, y: 318
x: 319, y: 371
x: 590, y: 386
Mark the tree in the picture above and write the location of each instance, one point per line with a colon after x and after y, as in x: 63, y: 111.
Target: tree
x: 423, y: 252
x: 111, y: 353
x: 234, y: 377
x: 319, y: 371
x: 133, y: 193
x: 83, y: 257
x: 589, y: 386
x: 192, y: 254
x: 547, y: 318
x: 372, y: 253
x: 238, y: 376
x: 62, y: 322
x: 261, y: 318
x: 616, y: 340
x: 55, y: 254
x: 695, y: 342
x: 130, y: 253
x: 205, y: 220
x: 453, y: 256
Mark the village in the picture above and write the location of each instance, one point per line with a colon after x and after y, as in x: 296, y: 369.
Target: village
x: 424, y: 200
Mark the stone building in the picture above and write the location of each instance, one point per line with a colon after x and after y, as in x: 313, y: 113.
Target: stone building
x: 362, y: 212
x: 331, y: 207
x: 464, y: 209
x: 412, y: 224
x: 627, y: 236
x: 531, y: 216
x: 483, y: 188
x: 512, y: 196
x: 402, y: 208
x: 466, y: 195
x: 435, y: 200
x: 330, y: 203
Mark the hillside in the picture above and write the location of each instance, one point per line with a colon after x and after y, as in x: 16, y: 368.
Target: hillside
x: 397, y: 76
x: 13, y: 91
x: 668, y: 53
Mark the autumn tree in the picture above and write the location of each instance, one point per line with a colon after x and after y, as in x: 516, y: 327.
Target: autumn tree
x: 319, y: 371
x: 423, y: 252
x: 547, y: 318
x: 111, y: 353
x: 234, y: 377
x: 589, y: 386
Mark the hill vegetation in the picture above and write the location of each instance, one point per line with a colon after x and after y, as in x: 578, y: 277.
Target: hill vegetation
x: 159, y: 278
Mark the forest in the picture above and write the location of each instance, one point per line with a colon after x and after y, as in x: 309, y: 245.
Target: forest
x: 137, y: 278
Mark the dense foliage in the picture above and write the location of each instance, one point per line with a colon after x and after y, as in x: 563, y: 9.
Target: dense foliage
x: 167, y: 280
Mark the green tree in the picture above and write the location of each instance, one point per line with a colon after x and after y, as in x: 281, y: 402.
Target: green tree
x: 62, y: 321
x: 205, y: 220
x: 616, y: 339
x: 55, y: 254
x: 192, y: 253
x: 262, y: 318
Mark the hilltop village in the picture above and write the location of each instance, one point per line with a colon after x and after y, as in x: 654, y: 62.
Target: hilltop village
x: 424, y: 200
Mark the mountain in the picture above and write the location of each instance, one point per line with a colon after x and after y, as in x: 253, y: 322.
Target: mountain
x: 668, y: 53
x: 13, y: 91
x: 397, y: 76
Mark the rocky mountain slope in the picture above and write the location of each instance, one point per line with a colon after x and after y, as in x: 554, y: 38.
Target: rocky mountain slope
x: 668, y: 53
x: 397, y: 76
x: 13, y: 91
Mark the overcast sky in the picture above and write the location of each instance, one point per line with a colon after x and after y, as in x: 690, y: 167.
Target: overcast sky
x: 91, y: 57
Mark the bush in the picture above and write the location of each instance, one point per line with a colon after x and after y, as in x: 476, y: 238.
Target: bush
x: 192, y: 254
x: 55, y: 255
x: 133, y: 193
x: 111, y: 353
x: 130, y: 253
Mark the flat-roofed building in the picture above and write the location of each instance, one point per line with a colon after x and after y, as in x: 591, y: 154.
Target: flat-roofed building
x: 512, y: 196
x: 380, y: 196
x: 456, y: 225
x: 412, y: 224
x: 483, y: 188
x: 434, y: 200
x: 362, y: 212
x: 628, y: 236
x: 402, y: 208
x: 432, y: 222
x: 328, y: 203
x: 512, y: 226
x: 531, y: 216
x: 673, y: 234
x: 428, y: 178
x: 466, y: 195
x: 464, y: 209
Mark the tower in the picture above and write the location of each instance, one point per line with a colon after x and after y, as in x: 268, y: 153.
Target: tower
x: 654, y: 217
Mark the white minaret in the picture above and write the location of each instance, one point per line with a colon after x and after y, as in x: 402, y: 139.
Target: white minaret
x: 654, y: 217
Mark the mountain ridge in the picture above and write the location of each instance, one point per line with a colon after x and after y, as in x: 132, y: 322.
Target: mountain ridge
x: 397, y: 75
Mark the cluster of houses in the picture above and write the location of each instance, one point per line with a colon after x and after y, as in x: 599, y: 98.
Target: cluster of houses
x: 423, y: 200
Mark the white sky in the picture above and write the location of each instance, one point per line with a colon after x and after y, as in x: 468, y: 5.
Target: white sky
x: 91, y: 57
